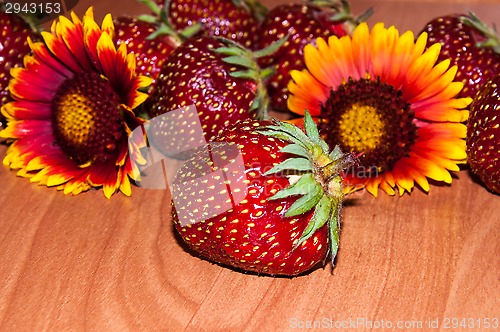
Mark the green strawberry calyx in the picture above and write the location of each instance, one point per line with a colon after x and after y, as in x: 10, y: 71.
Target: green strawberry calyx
x: 492, y: 39
x: 236, y: 54
x: 161, y: 18
x: 317, y: 173
x: 342, y: 13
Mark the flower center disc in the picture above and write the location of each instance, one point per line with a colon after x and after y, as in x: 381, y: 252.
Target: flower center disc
x: 369, y: 117
x: 87, y: 121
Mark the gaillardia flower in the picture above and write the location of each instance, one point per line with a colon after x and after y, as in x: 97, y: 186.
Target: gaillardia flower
x: 382, y: 94
x: 73, y: 109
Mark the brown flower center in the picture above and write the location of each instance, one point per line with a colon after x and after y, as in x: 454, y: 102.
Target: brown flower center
x: 87, y: 121
x: 369, y: 117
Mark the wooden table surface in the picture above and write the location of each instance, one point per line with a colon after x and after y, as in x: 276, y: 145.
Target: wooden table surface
x: 88, y: 263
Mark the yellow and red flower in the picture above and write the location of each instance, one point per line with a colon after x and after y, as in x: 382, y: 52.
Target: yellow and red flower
x: 383, y: 95
x: 73, y: 109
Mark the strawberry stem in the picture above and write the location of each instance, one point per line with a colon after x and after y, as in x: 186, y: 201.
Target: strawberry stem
x: 319, y: 185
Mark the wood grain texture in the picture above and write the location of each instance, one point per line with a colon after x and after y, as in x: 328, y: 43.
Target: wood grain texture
x: 87, y: 263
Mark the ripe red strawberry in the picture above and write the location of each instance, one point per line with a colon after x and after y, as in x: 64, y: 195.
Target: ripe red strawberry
x: 219, y: 77
x: 277, y: 213
x: 151, y: 53
x: 470, y: 45
x: 14, y: 33
x: 483, y: 134
x: 230, y: 19
x: 303, y: 22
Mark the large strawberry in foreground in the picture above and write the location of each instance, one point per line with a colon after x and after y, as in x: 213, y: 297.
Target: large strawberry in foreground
x: 277, y: 213
x: 483, y: 134
x: 14, y: 33
x: 470, y: 45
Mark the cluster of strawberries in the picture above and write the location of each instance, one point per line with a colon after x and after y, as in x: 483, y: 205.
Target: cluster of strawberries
x: 179, y: 45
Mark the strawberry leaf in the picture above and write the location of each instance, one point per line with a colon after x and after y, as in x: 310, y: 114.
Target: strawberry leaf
x: 292, y: 164
x: 306, y: 202
x: 313, y: 132
x: 294, y: 132
x: 271, y: 49
x: 301, y: 187
x: 296, y: 149
x: 240, y: 61
x: 333, y: 229
x: 320, y: 217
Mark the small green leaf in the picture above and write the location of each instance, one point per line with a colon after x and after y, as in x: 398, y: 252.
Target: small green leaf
x: 267, y: 73
x: 306, y: 202
x: 152, y: 6
x: 292, y: 164
x: 147, y: 18
x: 333, y: 230
x: 191, y: 30
x: 277, y: 134
x: 301, y: 187
x: 240, y: 61
x: 320, y: 217
x: 313, y: 132
x: 294, y: 131
x: 271, y: 49
x: 255, y: 104
x: 296, y: 149
x: 246, y: 74
x: 163, y: 30
x: 310, y: 127
x: 231, y: 50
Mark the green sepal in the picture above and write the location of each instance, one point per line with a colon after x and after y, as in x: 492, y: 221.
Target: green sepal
x: 306, y: 202
x: 292, y: 164
x: 271, y: 49
x: 267, y: 73
x: 240, y: 61
x: 163, y: 30
x: 256, y: 104
x: 147, y: 18
x: 492, y: 40
x: 333, y: 230
x: 301, y: 187
x: 245, y: 74
x: 231, y: 50
x: 281, y: 135
x: 152, y: 6
x: 294, y: 132
x: 321, y: 215
x: 313, y: 132
x: 297, y: 150
x: 191, y: 30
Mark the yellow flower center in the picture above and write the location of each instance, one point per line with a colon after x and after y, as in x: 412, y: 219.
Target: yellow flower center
x: 87, y: 119
x: 75, y: 119
x: 361, y: 128
x: 372, y: 118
